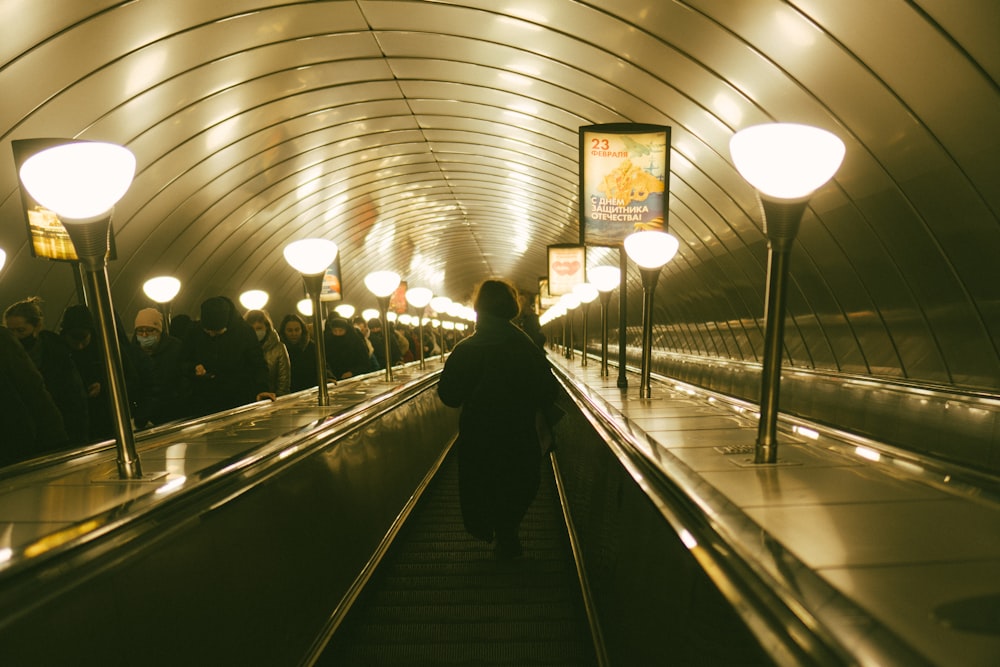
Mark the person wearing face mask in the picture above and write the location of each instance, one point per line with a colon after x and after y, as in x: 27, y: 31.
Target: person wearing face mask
x: 164, y: 388
x: 279, y: 368
x: 52, y: 357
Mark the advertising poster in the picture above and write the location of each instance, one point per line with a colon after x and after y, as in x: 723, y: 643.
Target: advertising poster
x: 49, y: 239
x: 332, y: 289
x: 397, y: 300
x: 567, y: 264
x: 624, y: 181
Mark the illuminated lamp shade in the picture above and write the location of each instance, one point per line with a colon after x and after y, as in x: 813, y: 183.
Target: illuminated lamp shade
x: 439, y: 304
x: 310, y: 256
x: 786, y: 160
x: 650, y: 249
x: 254, y: 299
x: 81, y: 180
x: 305, y: 307
x: 345, y: 310
x: 569, y: 301
x: 605, y: 278
x: 419, y: 297
x: 370, y: 314
x: 3, y: 258
x: 586, y: 292
x: 162, y: 289
x: 382, y: 283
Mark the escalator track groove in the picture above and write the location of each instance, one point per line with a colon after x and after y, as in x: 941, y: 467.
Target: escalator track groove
x: 441, y: 597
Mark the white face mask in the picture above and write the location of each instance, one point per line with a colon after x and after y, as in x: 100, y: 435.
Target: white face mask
x: 147, y: 342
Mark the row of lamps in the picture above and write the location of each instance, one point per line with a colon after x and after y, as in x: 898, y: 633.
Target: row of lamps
x: 81, y: 181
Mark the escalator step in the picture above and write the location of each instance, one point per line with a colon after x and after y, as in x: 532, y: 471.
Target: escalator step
x: 440, y: 597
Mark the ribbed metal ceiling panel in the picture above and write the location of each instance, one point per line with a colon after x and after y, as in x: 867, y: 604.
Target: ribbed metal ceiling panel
x: 439, y: 139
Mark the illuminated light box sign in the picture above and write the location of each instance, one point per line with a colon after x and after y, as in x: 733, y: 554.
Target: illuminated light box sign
x: 567, y: 265
x: 624, y: 181
x: 397, y: 300
x: 332, y: 289
x: 48, y: 238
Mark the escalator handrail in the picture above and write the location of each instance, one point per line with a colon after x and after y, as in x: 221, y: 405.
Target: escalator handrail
x: 204, y: 491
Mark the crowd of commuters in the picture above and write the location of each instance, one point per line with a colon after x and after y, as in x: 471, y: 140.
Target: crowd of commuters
x: 55, y: 389
x: 58, y: 396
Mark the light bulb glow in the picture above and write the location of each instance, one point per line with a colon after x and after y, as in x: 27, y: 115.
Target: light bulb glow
x: 80, y: 180
x: 418, y: 297
x: 305, y: 307
x: 162, y: 289
x: 345, y: 310
x: 439, y: 304
x: 370, y: 314
x: 254, y: 299
x: 650, y: 249
x: 382, y: 283
x: 605, y: 278
x: 569, y: 301
x: 310, y: 256
x: 786, y: 160
x: 586, y: 292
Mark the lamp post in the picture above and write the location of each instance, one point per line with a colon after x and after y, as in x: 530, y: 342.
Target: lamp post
x: 650, y: 250
x: 311, y: 258
x: 382, y: 284
x: 786, y: 163
x: 419, y: 298
x: 586, y: 292
x: 162, y: 290
x: 439, y: 305
x: 605, y: 279
x: 570, y: 302
x: 81, y: 181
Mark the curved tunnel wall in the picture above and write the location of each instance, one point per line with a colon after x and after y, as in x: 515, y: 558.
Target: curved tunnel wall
x: 440, y: 139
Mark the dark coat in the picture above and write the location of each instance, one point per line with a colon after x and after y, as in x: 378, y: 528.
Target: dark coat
x: 164, y: 387
x: 30, y: 422
x: 53, y: 360
x: 234, y: 361
x: 501, y: 381
x: 303, y: 361
x: 347, y: 353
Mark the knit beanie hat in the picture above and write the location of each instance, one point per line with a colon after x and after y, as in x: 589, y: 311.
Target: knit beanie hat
x: 149, y: 317
x: 77, y: 319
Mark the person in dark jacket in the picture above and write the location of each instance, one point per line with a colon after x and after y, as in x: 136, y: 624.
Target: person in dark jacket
x: 223, y: 360
x: 301, y: 352
x: 375, y: 335
x: 164, y: 394
x: 53, y: 360
x: 502, y: 382
x: 30, y: 422
x: 78, y: 331
x: 346, y: 352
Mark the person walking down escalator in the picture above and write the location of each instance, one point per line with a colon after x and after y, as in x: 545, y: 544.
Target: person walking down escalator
x: 501, y: 381
x: 279, y: 367
x: 346, y: 352
x: 224, y: 361
x: 53, y: 359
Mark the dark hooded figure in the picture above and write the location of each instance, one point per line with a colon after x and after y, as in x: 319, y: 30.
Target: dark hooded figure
x: 346, y: 352
x: 53, y: 360
x: 501, y: 381
x: 224, y: 361
x: 30, y: 422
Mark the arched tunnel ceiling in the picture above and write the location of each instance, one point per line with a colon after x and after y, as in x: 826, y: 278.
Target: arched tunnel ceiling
x: 439, y: 139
